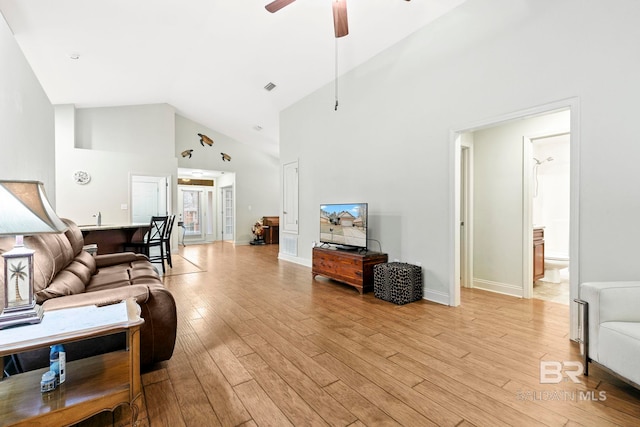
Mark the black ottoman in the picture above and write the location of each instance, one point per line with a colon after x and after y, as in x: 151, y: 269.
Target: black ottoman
x: 397, y: 282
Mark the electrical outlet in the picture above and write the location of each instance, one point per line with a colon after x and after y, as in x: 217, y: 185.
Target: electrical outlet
x: 124, y: 206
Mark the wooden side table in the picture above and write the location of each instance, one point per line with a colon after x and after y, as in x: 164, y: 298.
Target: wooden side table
x: 93, y: 385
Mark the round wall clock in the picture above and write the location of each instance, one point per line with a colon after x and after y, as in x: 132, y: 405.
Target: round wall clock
x: 81, y: 177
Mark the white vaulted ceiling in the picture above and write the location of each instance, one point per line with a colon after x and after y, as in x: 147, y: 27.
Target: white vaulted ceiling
x: 210, y: 59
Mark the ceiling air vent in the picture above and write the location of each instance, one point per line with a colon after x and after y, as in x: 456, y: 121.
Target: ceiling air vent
x: 270, y: 86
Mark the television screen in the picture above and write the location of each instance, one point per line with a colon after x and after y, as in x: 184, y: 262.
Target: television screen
x: 344, y: 224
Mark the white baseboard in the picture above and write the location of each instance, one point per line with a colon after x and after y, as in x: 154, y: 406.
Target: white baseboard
x: 436, y: 296
x: 501, y: 288
x: 295, y: 259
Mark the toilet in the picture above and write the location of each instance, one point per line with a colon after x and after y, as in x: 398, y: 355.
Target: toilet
x: 553, y: 263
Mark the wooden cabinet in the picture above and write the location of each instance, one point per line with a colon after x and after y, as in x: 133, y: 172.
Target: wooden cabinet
x: 271, y: 227
x: 350, y: 267
x: 538, y: 253
x: 93, y: 385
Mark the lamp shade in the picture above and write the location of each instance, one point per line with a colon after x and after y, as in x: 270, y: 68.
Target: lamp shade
x: 25, y: 209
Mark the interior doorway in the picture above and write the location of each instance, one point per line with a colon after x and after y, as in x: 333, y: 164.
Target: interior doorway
x: 191, y: 212
x: 549, y: 176
x: 202, y: 218
x: 481, y: 202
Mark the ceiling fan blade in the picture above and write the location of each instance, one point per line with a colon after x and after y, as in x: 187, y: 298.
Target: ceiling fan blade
x: 340, y: 24
x: 276, y: 5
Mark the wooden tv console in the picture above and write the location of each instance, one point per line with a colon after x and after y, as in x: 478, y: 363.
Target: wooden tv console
x: 350, y: 267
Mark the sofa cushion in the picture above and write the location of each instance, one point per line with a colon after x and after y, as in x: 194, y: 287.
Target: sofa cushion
x: 88, y: 260
x: 108, y: 280
x: 74, y: 236
x: 619, y: 348
x: 609, y: 302
x: 43, y: 262
x: 143, y: 272
x: 106, y: 296
x: 65, y: 283
x: 81, y: 270
x: 60, y: 249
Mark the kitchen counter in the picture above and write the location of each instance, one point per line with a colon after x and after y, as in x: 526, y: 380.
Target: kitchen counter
x: 112, y: 238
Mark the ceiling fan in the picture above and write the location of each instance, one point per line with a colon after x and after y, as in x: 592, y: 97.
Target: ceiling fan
x: 340, y: 24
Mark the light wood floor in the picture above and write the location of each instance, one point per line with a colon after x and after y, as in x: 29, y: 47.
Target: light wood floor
x: 260, y: 343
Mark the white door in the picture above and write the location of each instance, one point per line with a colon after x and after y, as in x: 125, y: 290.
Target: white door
x: 190, y: 208
x: 227, y: 213
x: 290, y: 197
x: 466, y: 258
x: 148, y: 197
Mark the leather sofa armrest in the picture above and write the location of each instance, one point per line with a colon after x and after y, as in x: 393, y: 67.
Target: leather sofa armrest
x: 106, y: 296
x: 609, y: 302
x: 107, y: 260
x: 158, y: 334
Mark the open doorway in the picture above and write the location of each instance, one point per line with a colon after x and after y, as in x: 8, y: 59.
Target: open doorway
x: 199, y: 206
x: 492, y: 236
x: 550, y: 210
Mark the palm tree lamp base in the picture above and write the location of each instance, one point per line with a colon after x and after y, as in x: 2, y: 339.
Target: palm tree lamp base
x: 20, y: 307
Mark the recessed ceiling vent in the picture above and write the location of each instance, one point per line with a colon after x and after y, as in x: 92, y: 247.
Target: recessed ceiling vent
x: 270, y: 86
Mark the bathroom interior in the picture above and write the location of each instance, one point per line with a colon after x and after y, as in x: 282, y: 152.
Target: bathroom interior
x: 551, y: 200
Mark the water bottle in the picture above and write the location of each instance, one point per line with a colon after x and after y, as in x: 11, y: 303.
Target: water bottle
x: 57, y: 362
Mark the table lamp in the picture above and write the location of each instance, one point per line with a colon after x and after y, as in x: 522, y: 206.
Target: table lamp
x: 24, y: 210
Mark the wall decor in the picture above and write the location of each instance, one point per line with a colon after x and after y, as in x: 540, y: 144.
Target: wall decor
x: 226, y: 157
x: 81, y: 177
x: 204, y: 139
x: 187, y: 153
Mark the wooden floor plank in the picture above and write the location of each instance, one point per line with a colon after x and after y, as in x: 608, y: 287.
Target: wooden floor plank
x: 360, y: 371
x: 387, y: 402
x: 194, y: 405
x: 260, y: 342
x: 328, y: 408
x: 291, y: 403
x: 163, y: 408
x: 262, y: 409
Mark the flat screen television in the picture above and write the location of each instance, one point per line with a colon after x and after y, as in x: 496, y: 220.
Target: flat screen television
x: 344, y: 224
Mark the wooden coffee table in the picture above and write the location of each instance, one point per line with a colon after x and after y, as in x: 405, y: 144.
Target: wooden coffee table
x: 93, y: 385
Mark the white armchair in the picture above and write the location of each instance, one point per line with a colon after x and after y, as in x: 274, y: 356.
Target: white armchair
x: 611, y: 327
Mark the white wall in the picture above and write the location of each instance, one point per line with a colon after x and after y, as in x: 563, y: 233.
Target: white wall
x: 26, y: 119
x: 256, y: 183
x: 389, y: 142
x: 498, y: 200
x: 118, y: 142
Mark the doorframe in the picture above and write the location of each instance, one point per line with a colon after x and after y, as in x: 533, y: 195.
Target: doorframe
x: 455, y: 144
x: 466, y: 216
x: 202, y: 203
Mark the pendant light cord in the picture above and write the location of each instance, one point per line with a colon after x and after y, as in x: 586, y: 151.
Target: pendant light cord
x: 336, y: 78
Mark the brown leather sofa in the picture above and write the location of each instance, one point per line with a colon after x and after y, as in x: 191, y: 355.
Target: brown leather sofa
x: 66, y: 276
